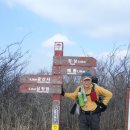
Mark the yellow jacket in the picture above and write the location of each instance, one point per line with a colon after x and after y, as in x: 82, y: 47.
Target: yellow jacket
x: 90, y: 105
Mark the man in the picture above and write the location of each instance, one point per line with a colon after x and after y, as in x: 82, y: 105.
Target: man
x: 89, y: 117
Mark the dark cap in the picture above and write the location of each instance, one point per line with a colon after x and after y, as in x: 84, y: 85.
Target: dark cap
x: 86, y: 74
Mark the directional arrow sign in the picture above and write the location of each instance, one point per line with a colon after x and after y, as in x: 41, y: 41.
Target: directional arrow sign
x: 74, y: 61
x: 72, y: 70
x: 40, y: 88
x: 47, y: 79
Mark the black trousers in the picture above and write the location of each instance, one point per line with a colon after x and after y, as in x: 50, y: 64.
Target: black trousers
x: 89, y: 121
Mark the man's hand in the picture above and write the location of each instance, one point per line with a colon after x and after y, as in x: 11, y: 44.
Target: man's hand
x: 101, y: 108
x: 62, y: 90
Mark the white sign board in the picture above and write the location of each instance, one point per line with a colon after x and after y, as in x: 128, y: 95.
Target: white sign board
x: 58, y: 46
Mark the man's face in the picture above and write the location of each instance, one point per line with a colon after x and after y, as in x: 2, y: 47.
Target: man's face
x: 86, y: 81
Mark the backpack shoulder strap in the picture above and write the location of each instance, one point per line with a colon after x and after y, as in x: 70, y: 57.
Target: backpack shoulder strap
x: 92, y: 90
x: 79, y: 89
x: 93, y: 87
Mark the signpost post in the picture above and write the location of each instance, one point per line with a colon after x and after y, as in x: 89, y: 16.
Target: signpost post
x: 62, y: 65
x: 127, y: 110
x: 56, y: 98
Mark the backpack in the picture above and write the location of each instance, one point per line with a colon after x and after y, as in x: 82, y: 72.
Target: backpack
x: 94, y: 96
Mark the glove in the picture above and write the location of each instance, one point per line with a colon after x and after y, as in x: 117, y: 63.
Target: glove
x: 101, y: 108
x: 62, y: 90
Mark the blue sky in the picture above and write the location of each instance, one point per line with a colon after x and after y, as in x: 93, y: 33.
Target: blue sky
x: 87, y: 27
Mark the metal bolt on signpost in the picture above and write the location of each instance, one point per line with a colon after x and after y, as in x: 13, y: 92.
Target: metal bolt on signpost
x: 62, y: 65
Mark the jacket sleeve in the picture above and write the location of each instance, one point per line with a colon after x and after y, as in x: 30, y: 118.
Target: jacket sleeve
x: 107, y: 95
x: 72, y: 95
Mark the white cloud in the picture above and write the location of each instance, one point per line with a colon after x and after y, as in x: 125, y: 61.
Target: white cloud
x: 57, y: 38
x: 118, y: 54
x: 97, y: 18
x: 122, y: 54
x: 111, y: 31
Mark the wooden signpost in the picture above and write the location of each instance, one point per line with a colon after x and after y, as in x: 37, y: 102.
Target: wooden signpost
x: 72, y: 70
x: 40, y: 88
x: 127, y: 110
x: 40, y: 84
x: 74, y: 61
x: 56, y: 98
x: 62, y: 65
x: 46, y: 79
